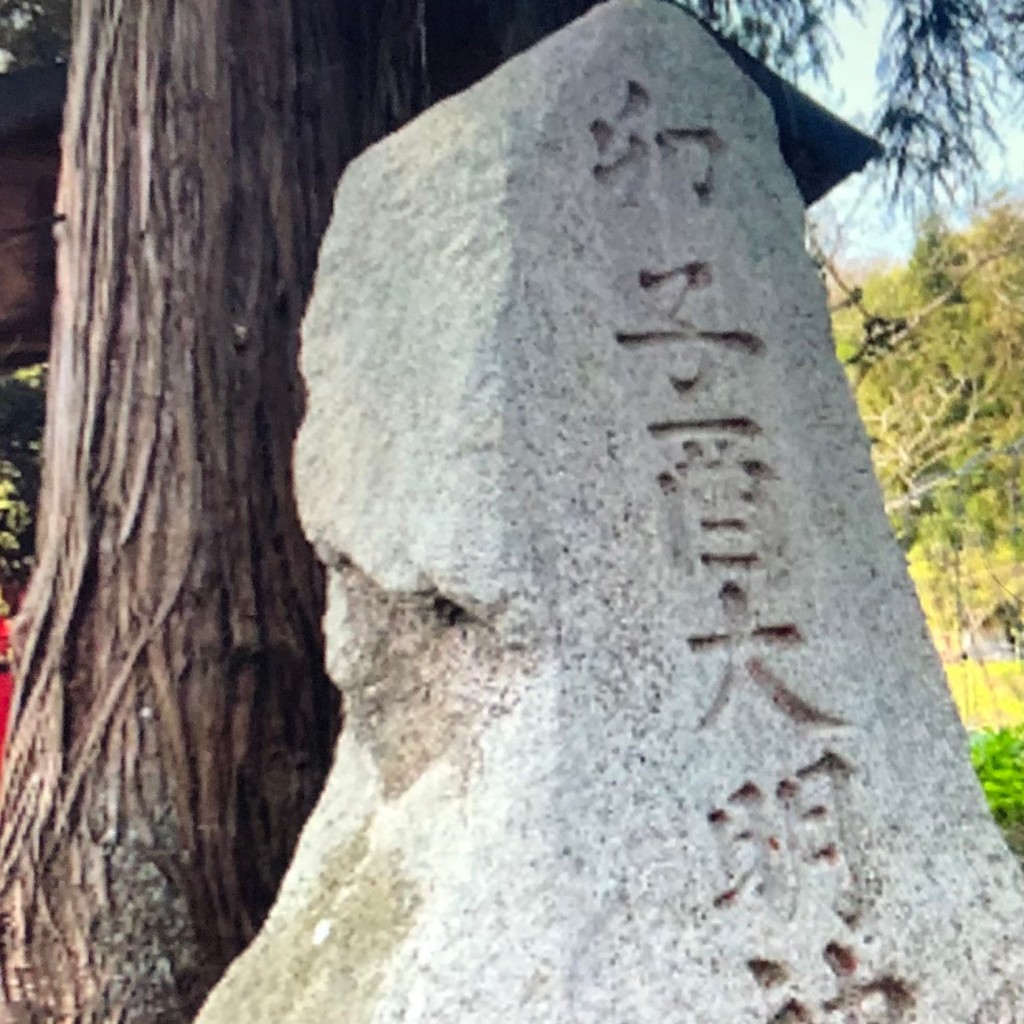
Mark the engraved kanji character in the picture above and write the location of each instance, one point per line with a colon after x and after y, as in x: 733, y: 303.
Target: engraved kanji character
x: 628, y: 143
x: 745, y: 643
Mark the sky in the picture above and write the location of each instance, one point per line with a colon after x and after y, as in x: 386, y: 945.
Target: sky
x: 869, y: 227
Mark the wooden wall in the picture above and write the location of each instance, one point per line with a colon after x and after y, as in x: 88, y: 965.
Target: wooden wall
x: 28, y: 177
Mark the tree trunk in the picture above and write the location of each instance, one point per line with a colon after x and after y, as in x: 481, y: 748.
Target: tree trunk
x: 173, y: 722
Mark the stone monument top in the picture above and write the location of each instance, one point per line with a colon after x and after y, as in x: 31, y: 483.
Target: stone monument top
x: 643, y: 723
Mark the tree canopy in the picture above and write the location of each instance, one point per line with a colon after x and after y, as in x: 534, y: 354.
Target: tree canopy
x: 934, y: 351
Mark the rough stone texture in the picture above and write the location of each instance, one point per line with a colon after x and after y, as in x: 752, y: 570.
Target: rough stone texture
x: 644, y: 723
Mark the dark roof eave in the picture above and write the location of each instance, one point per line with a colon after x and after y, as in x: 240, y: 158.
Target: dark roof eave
x: 821, y: 149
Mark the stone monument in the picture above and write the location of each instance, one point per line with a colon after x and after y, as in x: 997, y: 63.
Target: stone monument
x: 643, y: 722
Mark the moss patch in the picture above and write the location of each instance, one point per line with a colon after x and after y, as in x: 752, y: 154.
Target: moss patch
x: 361, y: 909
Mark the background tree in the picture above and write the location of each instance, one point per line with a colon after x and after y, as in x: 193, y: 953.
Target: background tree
x: 173, y: 721
x: 22, y: 407
x: 35, y: 31
x: 934, y: 351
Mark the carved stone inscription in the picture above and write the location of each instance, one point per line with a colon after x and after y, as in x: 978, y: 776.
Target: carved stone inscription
x: 629, y: 142
x: 769, y: 838
x: 777, y: 843
x: 778, y: 839
x: 860, y: 997
x: 714, y: 471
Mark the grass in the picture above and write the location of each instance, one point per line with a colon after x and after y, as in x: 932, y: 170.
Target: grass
x: 990, y: 695
x: 998, y: 759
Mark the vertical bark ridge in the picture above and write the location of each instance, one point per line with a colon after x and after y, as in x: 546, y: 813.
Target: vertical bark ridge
x: 174, y: 723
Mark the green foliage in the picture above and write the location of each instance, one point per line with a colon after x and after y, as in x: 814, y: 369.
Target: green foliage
x: 939, y: 391
x: 988, y: 695
x: 945, y: 63
x: 998, y: 759
x: 22, y: 413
